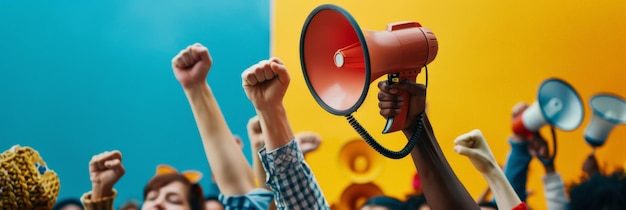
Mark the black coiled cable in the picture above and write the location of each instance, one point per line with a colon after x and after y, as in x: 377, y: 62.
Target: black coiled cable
x: 380, y: 148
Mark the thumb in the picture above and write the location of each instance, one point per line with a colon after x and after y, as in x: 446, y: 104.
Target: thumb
x: 112, y: 163
x: 465, y: 151
x: 281, y: 71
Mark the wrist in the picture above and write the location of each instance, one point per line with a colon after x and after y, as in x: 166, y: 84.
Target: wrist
x: 196, y: 87
x: 549, y: 168
x: 99, y: 191
x: 270, y: 108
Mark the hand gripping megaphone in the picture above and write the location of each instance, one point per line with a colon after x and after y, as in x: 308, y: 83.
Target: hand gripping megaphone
x: 340, y: 61
x: 608, y: 111
x: 558, y: 105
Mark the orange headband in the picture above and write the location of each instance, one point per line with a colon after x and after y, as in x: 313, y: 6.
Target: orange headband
x: 191, y: 175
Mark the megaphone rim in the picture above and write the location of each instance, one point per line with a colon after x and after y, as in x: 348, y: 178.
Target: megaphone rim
x: 566, y: 84
x: 597, y: 112
x: 362, y: 40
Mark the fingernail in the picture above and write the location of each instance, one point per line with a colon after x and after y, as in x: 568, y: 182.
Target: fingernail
x: 393, y: 91
x: 400, y: 103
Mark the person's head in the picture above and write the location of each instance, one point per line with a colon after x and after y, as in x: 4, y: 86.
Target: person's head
x: 38, y: 185
x: 600, y: 192
x: 68, y: 204
x: 213, y: 203
x: 382, y: 203
x: 130, y: 205
x: 172, y: 190
x: 488, y: 206
x: 417, y: 202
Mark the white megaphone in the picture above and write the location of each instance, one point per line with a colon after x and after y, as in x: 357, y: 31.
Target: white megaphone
x: 558, y: 104
x: 608, y: 111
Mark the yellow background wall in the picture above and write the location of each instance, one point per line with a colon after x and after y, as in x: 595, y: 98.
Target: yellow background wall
x: 492, y: 54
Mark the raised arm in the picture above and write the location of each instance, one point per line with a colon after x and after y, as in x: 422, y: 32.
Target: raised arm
x: 105, y: 169
x: 441, y: 186
x: 290, y: 178
x: 475, y: 147
x: 256, y: 144
x: 228, y: 163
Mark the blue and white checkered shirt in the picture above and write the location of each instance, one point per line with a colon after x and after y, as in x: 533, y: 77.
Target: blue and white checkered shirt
x: 257, y: 199
x: 291, y: 179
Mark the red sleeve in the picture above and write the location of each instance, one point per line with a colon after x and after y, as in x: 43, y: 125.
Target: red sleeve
x: 521, y: 206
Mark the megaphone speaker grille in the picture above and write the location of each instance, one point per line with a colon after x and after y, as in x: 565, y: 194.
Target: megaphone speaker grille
x: 338, y: 82
x: 560, y: 104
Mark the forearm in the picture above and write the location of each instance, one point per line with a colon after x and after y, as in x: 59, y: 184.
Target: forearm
x: 441, y: 186
x: 228, y: 164
x: 275, y: 125
x: 503, y: 192
x: 554, y: 190
x: 257, y: 166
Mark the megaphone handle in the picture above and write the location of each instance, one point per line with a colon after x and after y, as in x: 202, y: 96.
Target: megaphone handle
x: 550, y: 160
x: 397, y: 122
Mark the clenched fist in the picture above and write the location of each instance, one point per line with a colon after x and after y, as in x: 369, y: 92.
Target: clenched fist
x: 474, y: 146
x: 105, y: 169
x: 192, y: 65
x: 265, y: 83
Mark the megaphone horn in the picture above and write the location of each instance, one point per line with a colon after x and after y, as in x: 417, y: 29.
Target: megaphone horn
x: 557, y: 104
x: 608, y: 111
x: 339, y: 61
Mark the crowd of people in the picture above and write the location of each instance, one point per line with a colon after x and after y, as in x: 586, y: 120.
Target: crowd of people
x: 280, y: 178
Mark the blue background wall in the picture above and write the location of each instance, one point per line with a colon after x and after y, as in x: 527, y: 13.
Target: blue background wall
x: 81, y: 77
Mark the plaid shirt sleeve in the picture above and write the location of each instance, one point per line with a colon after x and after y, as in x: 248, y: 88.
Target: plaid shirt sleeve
x: 291, y: 179
x: 258, y: 199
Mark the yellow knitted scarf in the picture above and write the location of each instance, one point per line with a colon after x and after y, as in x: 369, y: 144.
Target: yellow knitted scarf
x: 25, y: 180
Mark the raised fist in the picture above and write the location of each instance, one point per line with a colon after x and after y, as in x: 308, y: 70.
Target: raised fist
x: 192, y: 65
x: 474, y: 146
x: 105, y: 169
x: 265, y: 83
x: 255, y: 133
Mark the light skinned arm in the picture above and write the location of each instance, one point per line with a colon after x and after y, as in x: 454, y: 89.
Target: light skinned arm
x: 256, y: 144
x: 228, y: 163
x: 475, y: 147
x: 290, y: 178
x: 255, y: 135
